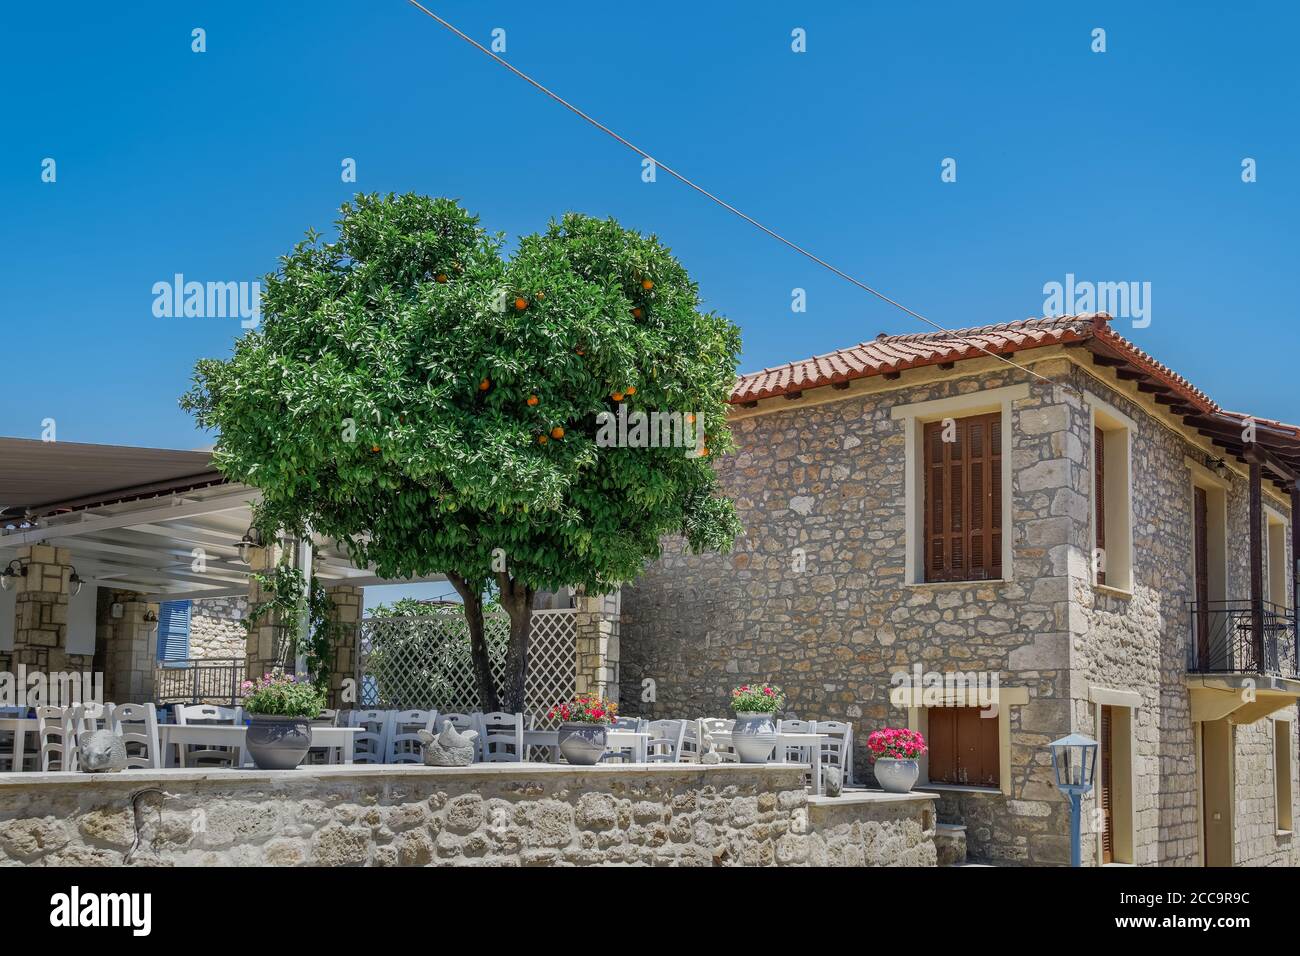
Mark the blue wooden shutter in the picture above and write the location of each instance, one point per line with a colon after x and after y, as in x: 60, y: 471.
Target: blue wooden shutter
x: 174, y: 631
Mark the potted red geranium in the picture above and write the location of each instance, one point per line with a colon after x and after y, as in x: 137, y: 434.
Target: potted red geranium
x: 753, y: 736
x: 583, y: 721
x: 896, y: 751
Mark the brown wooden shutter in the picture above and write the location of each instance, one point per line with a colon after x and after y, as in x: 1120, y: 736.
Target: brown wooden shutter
x: 963, y: 500
x: 942, y: 743
x: 1099, y: 484
x: 963, y: 747
x: 1105, y: 796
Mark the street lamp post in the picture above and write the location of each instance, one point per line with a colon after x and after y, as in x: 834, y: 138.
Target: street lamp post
x: 1074, y: 762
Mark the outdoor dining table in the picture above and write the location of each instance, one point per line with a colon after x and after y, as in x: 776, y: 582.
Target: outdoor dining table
x: 175, y: 737
x: 20, y: 727
x: 634, y: 740
x: 810, y: 742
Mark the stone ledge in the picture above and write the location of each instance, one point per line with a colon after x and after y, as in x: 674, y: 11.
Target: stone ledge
x: 858, y: 797
x: 781, y: 774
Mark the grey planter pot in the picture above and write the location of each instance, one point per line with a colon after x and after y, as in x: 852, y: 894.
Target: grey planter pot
x: 754, y: 737
x: 897, y: 776
x: 582, y: 744
x: 277, y: 743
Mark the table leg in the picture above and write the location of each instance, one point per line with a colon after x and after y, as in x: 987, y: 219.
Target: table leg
x: 347, y: 747
x: 20, y: 745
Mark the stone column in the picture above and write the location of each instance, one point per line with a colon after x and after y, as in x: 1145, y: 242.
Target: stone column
x: 131, y: 653
x: 41, y: 612
x: 264, y: 634
x: 597, y: 624
x: 345, y: 622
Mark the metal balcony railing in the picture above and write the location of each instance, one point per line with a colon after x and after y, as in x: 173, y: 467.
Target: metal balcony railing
x: 1225, y: 639
x: 199, y: 680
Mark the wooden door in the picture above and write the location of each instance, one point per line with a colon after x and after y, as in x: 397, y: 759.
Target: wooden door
x: 1201, y: 515
x: 1106, y: 793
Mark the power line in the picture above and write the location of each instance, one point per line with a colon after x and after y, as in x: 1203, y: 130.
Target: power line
x: 721, y: 202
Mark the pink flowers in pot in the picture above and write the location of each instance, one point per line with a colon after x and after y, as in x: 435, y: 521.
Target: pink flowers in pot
x: 585, y: 709
x: 757, y: 699
x: 896, y: 743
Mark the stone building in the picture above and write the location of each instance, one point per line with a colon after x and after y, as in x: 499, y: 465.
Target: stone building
x: 1087, y: 530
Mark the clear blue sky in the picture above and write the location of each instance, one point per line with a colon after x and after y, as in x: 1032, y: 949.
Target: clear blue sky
x: 1122, y: 166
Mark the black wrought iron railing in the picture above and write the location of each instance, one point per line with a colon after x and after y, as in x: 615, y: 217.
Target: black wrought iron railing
x: 1236, y: 637
x: 199, y: 680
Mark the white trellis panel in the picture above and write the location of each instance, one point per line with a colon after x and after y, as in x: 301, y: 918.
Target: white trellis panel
x: 423, y: 661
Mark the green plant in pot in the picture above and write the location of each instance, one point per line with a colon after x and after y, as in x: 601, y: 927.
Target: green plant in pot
x: 753, y: 736
x: 280, y: 709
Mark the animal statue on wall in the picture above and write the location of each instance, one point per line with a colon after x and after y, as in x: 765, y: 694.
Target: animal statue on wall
x: 832, y: 781
x: 450, y: 747
x: 101, y: 751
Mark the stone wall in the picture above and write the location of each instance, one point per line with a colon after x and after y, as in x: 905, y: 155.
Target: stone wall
x: 829, y: 480
x: 486, y: 815
x: 217, y: 628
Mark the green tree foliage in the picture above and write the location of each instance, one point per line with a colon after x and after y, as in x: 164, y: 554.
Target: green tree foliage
x: 432, y: 403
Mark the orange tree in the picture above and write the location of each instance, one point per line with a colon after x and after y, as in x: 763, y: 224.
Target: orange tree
x: 434, y: 404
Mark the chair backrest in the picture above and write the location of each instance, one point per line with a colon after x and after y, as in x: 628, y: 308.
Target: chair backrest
x: 207, y: 714
x: 371, y: 745
x: 501, y: 737
x: 665, y: 743
x: 795, y: 726
x: 690, y: 752
x: 404, y: 744
x: 56, y: 734
x: 838, y: 750
x: 138, y: 726
x: 636, y: 724
x: 93, y: 716
x: 461, y: 722
x: 327, y: 718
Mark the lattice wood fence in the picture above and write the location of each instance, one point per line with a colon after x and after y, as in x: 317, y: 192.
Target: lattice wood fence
x: 423, y: 661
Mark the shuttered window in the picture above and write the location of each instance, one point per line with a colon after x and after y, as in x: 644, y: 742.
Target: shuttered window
x: 963, y: 499
x: 1099, y: 486
x: 174, y: 631
x: 1106, y: 794
x: 963, y: 747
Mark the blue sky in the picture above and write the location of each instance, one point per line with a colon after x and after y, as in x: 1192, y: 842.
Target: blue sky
x: 1115, y: 166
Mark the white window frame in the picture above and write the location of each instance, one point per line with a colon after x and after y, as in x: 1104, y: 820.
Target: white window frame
x: 918, y: 719
x: 1125, y: 842
x: 914, y: 417
x: 1117, y: 432
x: 1278, y: 577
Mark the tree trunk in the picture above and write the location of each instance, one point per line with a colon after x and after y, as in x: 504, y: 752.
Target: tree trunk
x: 478, y: 649
x: 517, y: 599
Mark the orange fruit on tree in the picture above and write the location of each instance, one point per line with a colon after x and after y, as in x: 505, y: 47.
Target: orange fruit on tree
x: 532, y: 399
x: 704, y: 453
x: 637, y: 313
x: 541, y: 439
x: 691, y: 419
x: 617, y: 396
x: 521, y: 303
x: 374, y: 448
x: 631, y: 390
x: 580, y: 351
x: 441, y: 277
x: 647, y: 284
x: 557, y: 432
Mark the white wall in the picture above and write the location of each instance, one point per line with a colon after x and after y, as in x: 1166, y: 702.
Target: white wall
x: 81, y: 621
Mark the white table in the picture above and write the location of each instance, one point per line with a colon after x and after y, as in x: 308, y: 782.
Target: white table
x: 175, y: 737
x: 811, y: 742
x: 633, y: 740
x: 20, y: 727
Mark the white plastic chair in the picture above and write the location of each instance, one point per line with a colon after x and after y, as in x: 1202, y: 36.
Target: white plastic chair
x: 665, y: 743
x: 138, y: 726
x: 711, y: 727
x: 838, y: 751
x: 195, y: 755
x: 501, y: 737
x: 371, y: 745
x: 798, y: 753
x: 404, y: 744
x: 56, y: 735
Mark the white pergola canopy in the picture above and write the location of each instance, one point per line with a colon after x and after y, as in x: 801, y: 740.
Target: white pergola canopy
x: 169, y: 544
